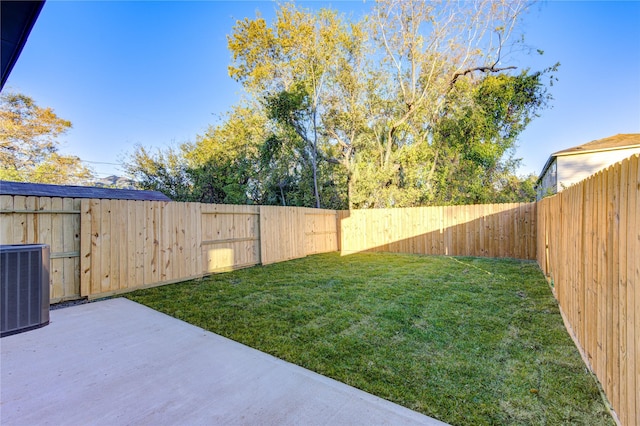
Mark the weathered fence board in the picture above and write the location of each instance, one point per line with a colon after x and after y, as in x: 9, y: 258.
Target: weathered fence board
x: 492, y: 230
x: 588, y: 246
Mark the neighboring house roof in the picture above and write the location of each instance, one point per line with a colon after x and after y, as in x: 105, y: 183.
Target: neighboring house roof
x: 627, y: 140
x: 619, y: 141
x: 67, y: 191
x: 114, y: 182
x: 17, y: 18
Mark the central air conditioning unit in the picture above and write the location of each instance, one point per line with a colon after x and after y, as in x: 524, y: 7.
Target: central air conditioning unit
x: 24, y: 287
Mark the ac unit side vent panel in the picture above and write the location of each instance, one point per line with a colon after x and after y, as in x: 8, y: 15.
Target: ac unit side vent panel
x: 24, y: 287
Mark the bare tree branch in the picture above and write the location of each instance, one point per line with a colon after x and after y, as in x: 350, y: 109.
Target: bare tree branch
x: 491, y: 68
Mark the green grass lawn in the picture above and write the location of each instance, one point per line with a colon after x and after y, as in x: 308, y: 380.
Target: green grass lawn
x: 464, y: 340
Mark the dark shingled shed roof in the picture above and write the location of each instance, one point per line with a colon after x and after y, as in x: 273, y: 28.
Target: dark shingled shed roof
x: 67, y: 191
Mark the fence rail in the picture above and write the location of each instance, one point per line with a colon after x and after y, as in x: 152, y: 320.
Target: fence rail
x: 589, y: 247
x: 230, y: 237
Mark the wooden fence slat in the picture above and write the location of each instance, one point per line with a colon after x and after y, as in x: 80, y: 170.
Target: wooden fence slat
x: 129, y: 272
x: 633, y: 275
x: 195, y: 231
x: 42, y: 224
x: 76, y: 203
x: 165, y: 224
x: 147, y: 245
x: 117, y: 224
x: 622, y: 289
x: 178, y: 246
x: 72, y: 241
x: 614, y: 265
x: 85, y: 248
x: 105, y: 246
x: 595, y: 250
x: 140, y: 242
x: 6, y: 224
x: 19, y: 221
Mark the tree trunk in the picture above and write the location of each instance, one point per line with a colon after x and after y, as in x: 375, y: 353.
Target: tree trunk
x: 314, y: 159
x: 350, y: 189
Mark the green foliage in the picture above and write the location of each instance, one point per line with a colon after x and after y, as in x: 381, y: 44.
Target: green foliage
x: 405, y: 107
x: 220, y: 167
x: 293, y: 116
x: 29, y: 144
x: 160, y: 171
x: 288, y: 64
x: 478, y: 129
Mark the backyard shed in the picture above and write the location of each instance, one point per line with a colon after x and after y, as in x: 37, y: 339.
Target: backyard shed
x: 569, y: 166
x: 33, y: 213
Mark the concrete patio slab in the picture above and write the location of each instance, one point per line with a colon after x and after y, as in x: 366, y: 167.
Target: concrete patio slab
x: 116, y: 362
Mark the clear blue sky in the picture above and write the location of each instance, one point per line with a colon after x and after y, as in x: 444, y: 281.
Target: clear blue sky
x: 155, y: 73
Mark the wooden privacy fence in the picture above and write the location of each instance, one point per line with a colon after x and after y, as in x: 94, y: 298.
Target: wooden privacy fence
x: 105, y: 247
x: 52, y: 221
x: 490, y: 230
x: 168, y: 242
x: 589, y: 247
x: 585, y: 239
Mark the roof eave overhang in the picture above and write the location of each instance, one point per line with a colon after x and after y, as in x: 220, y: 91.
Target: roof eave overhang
x: 589, y: 151
x: 18, y: 18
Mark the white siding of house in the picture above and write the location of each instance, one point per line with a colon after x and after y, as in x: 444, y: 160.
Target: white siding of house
x: 574, y: 168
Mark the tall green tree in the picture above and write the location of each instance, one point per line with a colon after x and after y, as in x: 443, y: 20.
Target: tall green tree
x: 428, y: 49
x: 478, y: 131
x: 29, y: 144
x: 350, y: 103
x: 377, y: 96
x: 288, y: 65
